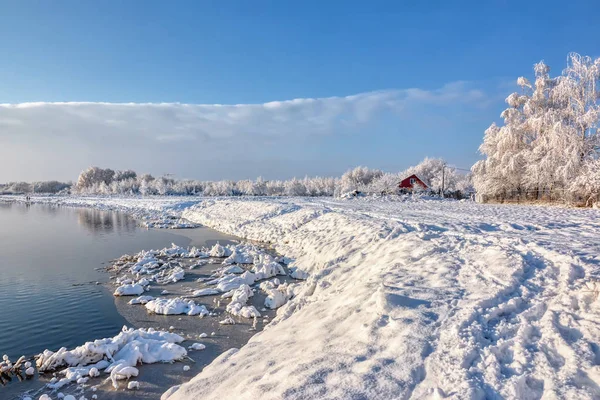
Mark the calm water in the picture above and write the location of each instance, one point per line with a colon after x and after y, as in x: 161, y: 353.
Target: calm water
x: 49, y: 261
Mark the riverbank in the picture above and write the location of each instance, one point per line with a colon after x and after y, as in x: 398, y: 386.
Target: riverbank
x: 414, y: 299
x: 216, y: 337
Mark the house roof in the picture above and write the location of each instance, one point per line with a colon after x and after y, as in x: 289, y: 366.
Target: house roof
x: 414, y: 176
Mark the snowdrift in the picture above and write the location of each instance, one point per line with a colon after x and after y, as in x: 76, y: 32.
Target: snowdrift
x: 417, y: 300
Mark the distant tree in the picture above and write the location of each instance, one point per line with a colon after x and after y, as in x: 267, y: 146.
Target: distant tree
x: 358, y: 179
x: 94, y: 176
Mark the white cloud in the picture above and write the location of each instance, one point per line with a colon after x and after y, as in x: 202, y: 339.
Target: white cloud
x: 107, y: 131
x: 175, y: 121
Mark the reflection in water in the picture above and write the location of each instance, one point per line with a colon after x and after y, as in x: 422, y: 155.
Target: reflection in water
x: 104, y: 221
x: 23, y: 208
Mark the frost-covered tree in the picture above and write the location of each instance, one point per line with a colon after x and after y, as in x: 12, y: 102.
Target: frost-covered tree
x: 549, y: 137
x: 387, y: 183
x: 50, y: 186
x: 294, y: 187
x: 94, y: 176
x: 358, y: 179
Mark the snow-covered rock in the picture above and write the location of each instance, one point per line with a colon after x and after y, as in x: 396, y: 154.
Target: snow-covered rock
x: 197, y: 346
x: 118, y: 355
x: 278, y: 295
x: 172, y: 276
x: 141, y: 300
x: 176, y: 306
x: 129, y: 290
x: 230, y: 282
x: 267, y: 270
x: 204, y: 292
x: 219, y: 251
x: 133, y: 385
x: 239, y: 298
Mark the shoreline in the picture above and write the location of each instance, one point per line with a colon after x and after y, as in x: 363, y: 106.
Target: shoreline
x: 155, y: 379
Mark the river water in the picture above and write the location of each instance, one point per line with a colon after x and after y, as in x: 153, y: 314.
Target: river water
x: 51, y: 272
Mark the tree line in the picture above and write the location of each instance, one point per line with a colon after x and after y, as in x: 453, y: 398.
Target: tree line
x: 106, y: 181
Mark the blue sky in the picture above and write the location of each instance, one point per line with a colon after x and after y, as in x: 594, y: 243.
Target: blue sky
x: 458, y: 59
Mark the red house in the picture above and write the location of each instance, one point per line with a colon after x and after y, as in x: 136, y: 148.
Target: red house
x: 412, y: 181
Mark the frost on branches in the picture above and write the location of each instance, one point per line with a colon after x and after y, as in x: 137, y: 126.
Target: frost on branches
x: 549, y: 144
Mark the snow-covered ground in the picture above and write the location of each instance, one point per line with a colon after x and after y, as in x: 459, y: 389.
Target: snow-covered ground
x: 411, y: 299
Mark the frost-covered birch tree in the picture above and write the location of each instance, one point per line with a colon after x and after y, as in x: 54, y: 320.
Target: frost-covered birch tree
x: 549, y: 139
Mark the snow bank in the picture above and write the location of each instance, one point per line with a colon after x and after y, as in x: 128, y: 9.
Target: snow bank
x: 416, y: 299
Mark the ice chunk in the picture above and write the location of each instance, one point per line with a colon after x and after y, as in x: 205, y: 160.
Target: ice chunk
x: 129, y: 290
